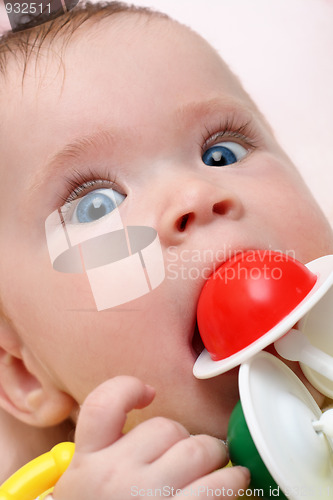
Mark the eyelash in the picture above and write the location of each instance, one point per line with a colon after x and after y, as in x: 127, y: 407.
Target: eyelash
x: 79, y: 183
x: 228, y: 129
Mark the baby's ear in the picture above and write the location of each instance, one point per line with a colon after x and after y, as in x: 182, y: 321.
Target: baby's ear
x: 26, y: 390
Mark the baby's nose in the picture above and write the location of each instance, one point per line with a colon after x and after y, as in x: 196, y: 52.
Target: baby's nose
x: 198, y: 203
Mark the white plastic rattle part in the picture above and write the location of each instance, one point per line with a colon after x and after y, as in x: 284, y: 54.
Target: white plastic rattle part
x: 325, y: 423
x: 295, y: 346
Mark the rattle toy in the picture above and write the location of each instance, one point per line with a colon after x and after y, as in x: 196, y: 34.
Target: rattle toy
x: 39, y: 475
x: 276, y: 430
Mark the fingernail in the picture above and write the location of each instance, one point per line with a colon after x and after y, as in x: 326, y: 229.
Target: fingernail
x: 150, y: 389
x: 245, y: 471
x: 225, y: 446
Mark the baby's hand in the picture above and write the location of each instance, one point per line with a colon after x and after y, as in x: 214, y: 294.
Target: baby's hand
x: 156, y: 458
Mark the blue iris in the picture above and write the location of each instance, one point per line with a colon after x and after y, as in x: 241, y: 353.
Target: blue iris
x: 96, y: 204
x: 219, y: 156
x: 223, y: 154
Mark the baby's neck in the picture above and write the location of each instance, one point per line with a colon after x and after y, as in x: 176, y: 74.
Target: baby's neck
x: 21, y: 443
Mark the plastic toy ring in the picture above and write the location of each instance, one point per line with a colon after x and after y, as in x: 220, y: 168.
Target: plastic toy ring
x: 39, y: 475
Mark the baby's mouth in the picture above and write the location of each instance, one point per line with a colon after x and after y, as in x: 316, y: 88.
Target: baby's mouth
x: 197, y: 343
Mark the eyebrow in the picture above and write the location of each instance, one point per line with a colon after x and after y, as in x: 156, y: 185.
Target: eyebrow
x: 196, y: 110
x: 71, y: 153
x: 83, y: 144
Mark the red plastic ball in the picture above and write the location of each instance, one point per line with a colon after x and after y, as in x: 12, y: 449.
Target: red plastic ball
x: 247, y: 296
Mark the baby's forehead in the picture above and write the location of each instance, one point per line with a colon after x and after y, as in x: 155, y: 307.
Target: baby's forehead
x: 72, y: 61
x: 47, y: 43
x: 38, y: 49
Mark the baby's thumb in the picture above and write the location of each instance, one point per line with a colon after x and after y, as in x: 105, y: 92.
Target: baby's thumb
x: 103, y: 413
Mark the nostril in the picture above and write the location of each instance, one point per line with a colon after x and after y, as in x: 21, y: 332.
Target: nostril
x: 223, y: 207
x: 183, y: 221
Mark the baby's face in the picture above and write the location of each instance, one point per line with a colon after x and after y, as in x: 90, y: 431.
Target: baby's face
x: 148, y: 103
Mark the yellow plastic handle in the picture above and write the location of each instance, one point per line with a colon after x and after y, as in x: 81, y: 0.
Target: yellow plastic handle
x: 39, y: 475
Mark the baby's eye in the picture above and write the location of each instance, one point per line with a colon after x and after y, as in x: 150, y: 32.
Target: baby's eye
x: 224, y: 153
x: 96, y: 204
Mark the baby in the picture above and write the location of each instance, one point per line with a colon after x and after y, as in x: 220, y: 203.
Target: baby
x: 139, y: 109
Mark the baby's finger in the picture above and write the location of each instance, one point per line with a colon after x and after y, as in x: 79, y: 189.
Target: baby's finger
x: 191, y: 459
x: 151, y: 439
x: 103, y: 413
x: 231, y: 482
